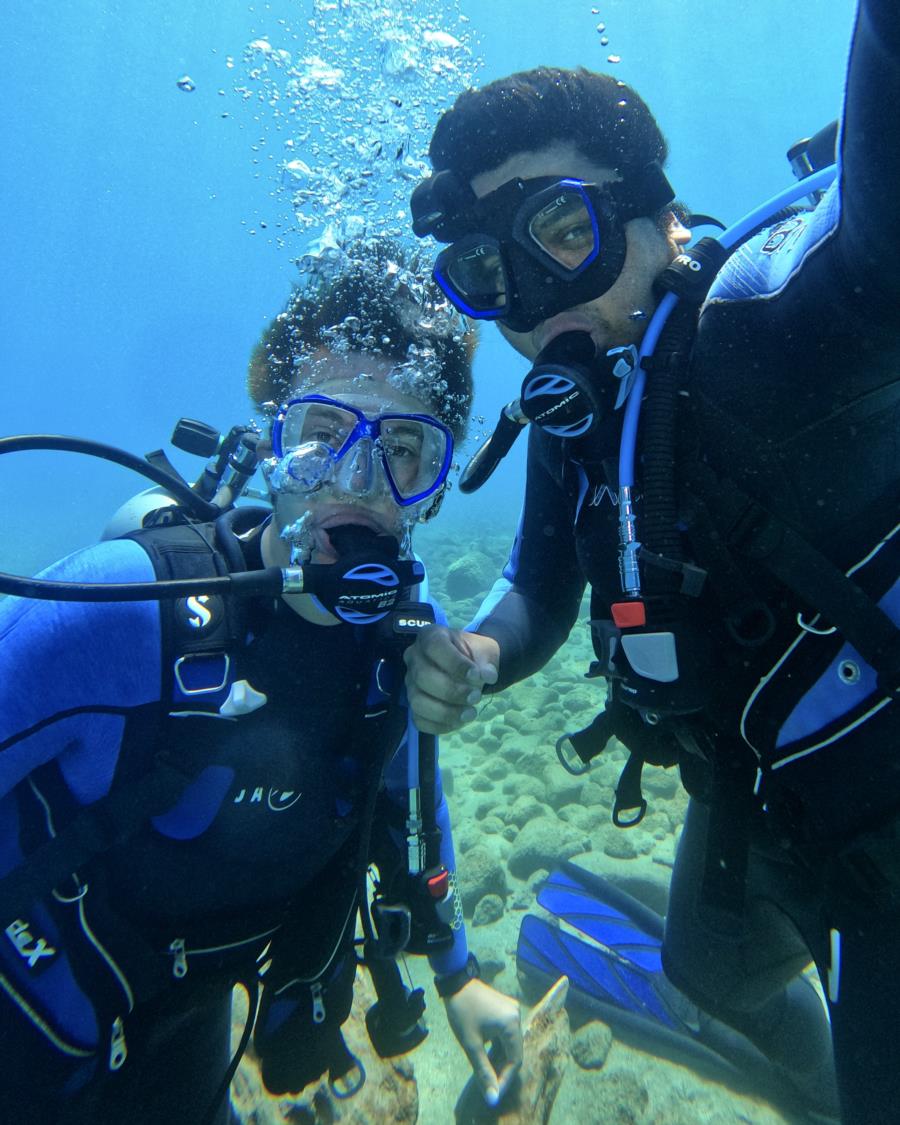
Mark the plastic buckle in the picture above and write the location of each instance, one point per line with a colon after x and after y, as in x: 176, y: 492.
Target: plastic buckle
x: 183, y: 663
x: 393, y: 923
x: 346, y: 1085
x: 625, y: 369
x: 621, y: 822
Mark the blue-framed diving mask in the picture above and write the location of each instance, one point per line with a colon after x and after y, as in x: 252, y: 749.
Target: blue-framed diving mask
x: 532, y: 248
x: 319, y: 440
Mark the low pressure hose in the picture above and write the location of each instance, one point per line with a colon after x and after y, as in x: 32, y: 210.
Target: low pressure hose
x: 65, y: 444
x: 243, y: 585
x: 731, y: 238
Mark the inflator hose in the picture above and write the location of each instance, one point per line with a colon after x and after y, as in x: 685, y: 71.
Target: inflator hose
x: 252, y: 584
x: 182, y: 492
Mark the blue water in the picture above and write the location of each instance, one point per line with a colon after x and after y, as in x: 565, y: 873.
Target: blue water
x: 136, y: 272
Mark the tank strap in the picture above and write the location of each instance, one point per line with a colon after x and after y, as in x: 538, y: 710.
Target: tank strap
x: 202, y: 635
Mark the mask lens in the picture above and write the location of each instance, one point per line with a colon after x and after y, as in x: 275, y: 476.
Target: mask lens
x: 321, y: 441
x: 565, y: 229
x: 477, y: 275
x: 415, y: 453
x: 317, y: 422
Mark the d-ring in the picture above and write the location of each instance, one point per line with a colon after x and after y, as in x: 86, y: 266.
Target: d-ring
x: 807, y: 627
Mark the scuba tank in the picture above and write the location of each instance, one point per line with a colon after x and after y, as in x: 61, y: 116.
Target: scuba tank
x: 231, y: 461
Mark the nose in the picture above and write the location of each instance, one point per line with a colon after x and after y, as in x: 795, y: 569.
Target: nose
x: 361, y: 466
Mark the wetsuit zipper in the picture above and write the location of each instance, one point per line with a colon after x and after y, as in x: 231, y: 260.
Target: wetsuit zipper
x: 179, y: 950
x: 118, y: 1051
x: 318, y: 1001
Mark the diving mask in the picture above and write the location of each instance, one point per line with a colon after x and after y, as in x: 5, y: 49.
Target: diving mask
x: 532, y: 248
x: 319, y: 440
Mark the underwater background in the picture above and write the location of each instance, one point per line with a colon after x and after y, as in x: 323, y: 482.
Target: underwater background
x: 149, y: 231
x: 169, y: 165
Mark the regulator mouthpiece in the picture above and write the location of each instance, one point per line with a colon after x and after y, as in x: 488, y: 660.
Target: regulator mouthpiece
x: 559, y: 393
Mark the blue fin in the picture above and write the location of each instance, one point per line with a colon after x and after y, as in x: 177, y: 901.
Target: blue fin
x: 620, y: 966
x: 615, y: 972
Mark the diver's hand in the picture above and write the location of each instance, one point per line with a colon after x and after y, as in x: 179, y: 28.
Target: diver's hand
x: 479, y: 1014
x: 446, y: 671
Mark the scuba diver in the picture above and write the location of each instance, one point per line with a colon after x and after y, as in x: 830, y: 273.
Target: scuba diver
x: 201, y: 778
x: 713, y: 449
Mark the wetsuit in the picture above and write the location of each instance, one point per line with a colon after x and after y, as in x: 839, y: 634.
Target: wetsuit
x: 793, y: 395
x: 115, y: 992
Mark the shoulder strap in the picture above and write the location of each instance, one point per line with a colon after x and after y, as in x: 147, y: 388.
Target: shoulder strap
x: 177, y: 551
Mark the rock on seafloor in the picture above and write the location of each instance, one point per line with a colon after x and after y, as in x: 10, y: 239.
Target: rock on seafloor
x: 546, y: 1052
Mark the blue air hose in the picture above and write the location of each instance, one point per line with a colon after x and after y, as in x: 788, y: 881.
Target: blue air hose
x: 729, y: 239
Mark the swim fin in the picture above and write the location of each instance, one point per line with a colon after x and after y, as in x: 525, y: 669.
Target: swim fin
x: 609, y: 946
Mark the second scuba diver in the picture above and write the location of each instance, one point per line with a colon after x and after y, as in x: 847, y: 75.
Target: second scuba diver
x: 220, y: 772
x: 741, y: 549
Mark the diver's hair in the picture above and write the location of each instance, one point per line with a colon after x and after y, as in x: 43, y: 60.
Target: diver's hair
x: 605, y: 119
x: 377, y: 299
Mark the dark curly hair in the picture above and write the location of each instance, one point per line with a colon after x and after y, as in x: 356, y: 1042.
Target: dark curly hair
x: 605, y: 119
x: 375, y: 298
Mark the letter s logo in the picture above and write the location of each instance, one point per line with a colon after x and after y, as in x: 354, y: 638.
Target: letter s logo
x: 197, y: 606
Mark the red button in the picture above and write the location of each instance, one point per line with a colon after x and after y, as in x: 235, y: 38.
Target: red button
x: 439, y: 884
x: 629, y: 615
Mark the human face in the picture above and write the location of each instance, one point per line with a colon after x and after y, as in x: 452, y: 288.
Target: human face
x: 619, y: 316
x: 359, y: 492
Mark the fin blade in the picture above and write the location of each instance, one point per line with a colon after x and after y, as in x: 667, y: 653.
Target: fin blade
x: 594, y: 971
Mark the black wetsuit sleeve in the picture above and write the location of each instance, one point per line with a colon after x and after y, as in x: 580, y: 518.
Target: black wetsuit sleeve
x: 869, y: 231
x: 542, y: 583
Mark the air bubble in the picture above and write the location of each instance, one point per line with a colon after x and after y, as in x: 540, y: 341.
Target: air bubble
x: 442, y: 39
x: 354, y: 108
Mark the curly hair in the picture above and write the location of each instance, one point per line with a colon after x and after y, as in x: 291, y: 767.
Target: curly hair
x: 605, y: 119
x: 376, y: 299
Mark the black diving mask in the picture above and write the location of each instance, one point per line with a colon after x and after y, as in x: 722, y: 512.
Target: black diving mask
x: 532, y: 248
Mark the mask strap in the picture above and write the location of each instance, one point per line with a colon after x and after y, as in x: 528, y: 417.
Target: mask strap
x: 642, y: 193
